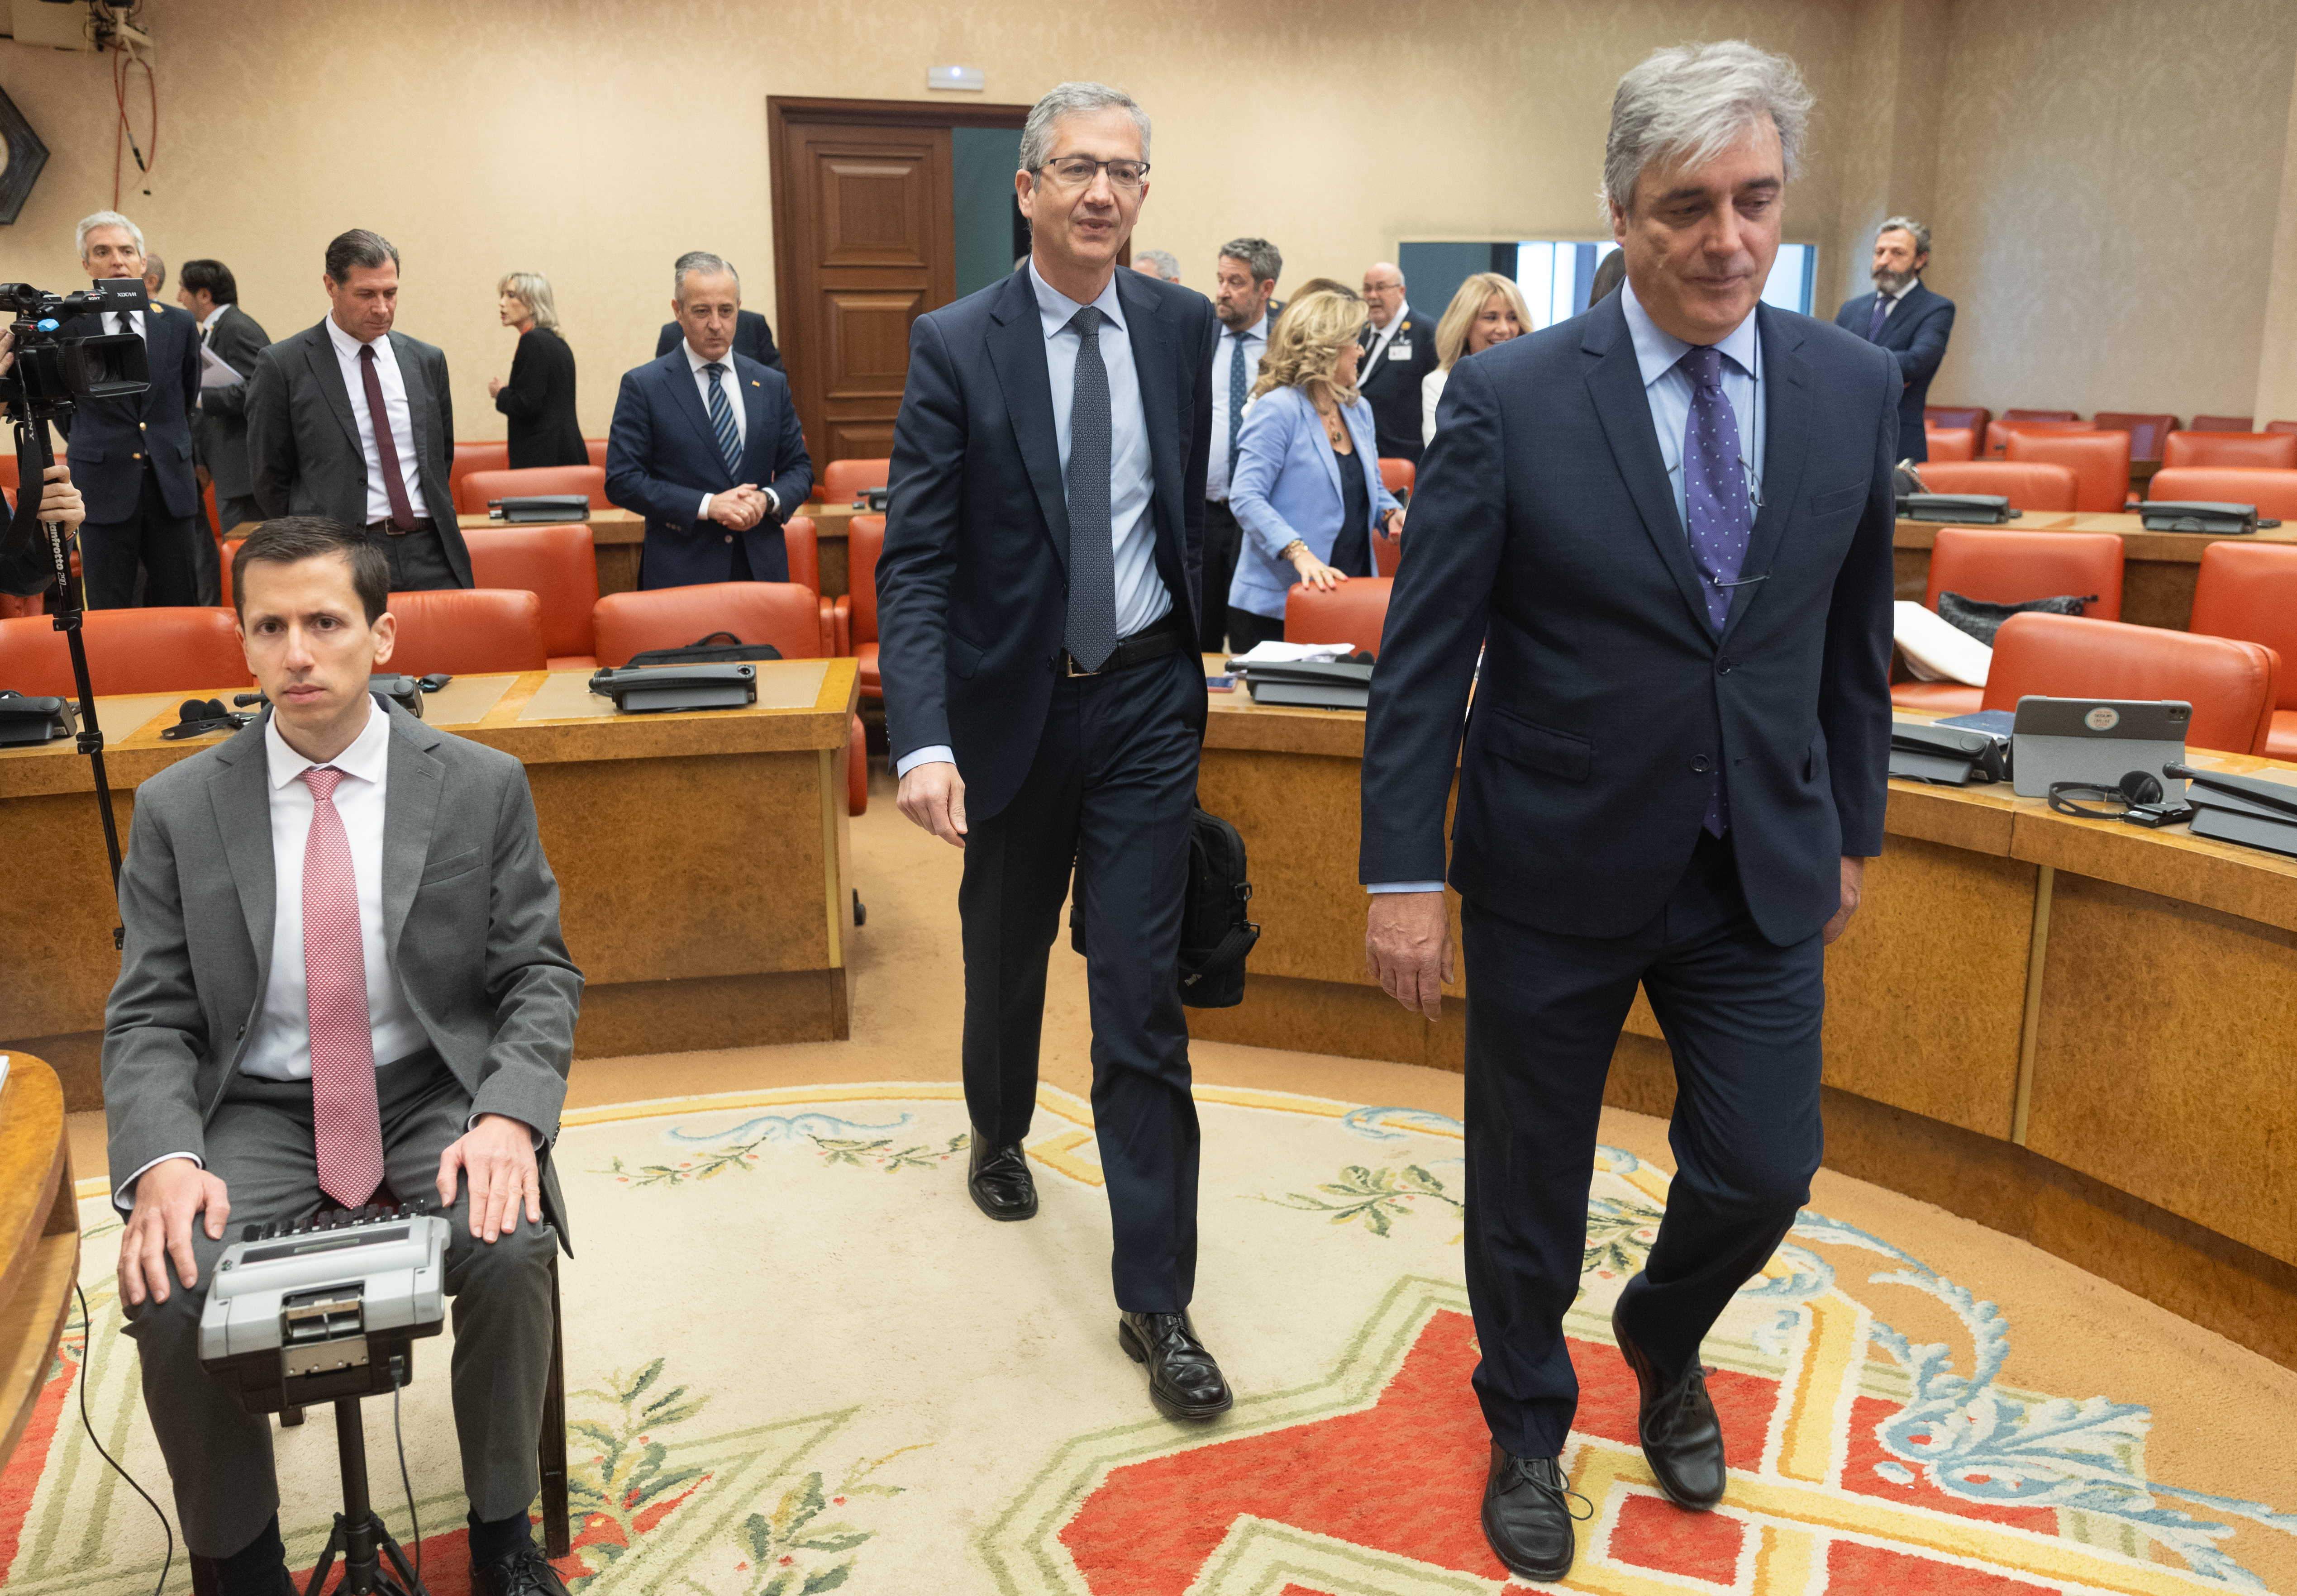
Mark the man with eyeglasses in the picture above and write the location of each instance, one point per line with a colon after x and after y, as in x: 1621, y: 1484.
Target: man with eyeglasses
x: 1399, y: 351
x: 1038, y: 600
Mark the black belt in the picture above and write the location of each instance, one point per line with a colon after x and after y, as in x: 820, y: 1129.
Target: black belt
x: 1154, y: 641
x: 383, y: 529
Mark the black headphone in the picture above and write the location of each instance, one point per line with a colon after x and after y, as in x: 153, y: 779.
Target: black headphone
x: 197, y: 716
x: 2138, y: 789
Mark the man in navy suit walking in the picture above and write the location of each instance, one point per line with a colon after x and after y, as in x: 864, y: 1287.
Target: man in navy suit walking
x: 1038, y: 612
x: 1665, y: 525
x: 1906, y: 318
x: 705, y: 445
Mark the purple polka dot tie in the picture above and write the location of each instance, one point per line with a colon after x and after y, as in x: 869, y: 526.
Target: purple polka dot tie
x: 1717, y: 510
x: 346, y: 1124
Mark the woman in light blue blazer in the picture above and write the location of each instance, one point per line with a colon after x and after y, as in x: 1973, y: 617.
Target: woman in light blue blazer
x: 1307, y: 488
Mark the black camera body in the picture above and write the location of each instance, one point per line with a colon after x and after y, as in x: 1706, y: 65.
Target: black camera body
x: 52, y: 374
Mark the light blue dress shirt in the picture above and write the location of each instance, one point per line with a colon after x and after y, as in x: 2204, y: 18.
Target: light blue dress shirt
x: 1668, y: 388
x: 1142, y: 599
x: 1255, y: 341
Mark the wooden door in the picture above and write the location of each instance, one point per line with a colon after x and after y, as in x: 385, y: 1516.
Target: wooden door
x: 863, y: 245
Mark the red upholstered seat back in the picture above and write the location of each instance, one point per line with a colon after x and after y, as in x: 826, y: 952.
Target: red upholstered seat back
x: 494, y: 456
x: 1354, y: 612
x: 468, y: 631
x: 2027, y: 485
x: 844, y: 481
x: 2225, y: 424
x: 2276, y: 451
x: 2230, y: 683
x: 2273, y: 492
x: 479, y: 487
x: 2249, y: 591
x: 2146, y: 432
x: 1950, y: 443
x: 186, y: 650
x: 1999, y: 434
x: 2001, y: 566
x: 865, y: 540
x: 2100, y: 462
x: 558, y: 565
x: 805, y: 551
x: 1973, y: 416
x: 1398, y: 474
x: 782, y: 613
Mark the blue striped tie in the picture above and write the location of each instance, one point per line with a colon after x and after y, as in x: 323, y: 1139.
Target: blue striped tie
x: 722, y: 420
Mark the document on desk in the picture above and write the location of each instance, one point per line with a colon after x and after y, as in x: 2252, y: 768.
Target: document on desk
x: 215, y: 371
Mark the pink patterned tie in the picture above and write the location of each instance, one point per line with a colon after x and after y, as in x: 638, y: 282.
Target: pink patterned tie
x: 346, y: 1123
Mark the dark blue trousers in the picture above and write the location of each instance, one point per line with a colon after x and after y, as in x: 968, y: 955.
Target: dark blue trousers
x: 1108, y: 796
x: 1544, y: 1011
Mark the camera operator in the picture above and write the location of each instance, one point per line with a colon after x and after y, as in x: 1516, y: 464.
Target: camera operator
x: 26, y: 575
x: 133, y: 456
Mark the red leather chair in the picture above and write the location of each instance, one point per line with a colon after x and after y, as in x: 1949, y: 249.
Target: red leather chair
x: 9, y: 476
x: 475, y: 457
x: 2041, y: 416
x: 2027, y: 485
x: 559, y: 565
x: 1950, y: 444
x: 596, y: 447
x: 2225, y: 424
x: 2231, y: 684
x: 478, y: 487
x: 1398, y: 474
x: 229, y: 552
x: 865, y: 540
x: 1973, y: 416
x: 2001, y: 566
x: 845, y: 480
x: 192, y: 649
x: 1999, y: 434
x: 1355, y: 612
x: 2281, y: 426
x: 2100, y: 462
x: 782, y: 613
x: 804, y: 550
x: 2273, y: 492
x: 2272, y: 451
x: 468, y: 631
x: 1387, y: 552
x: 2249, y: 591
x: 2146, y: 431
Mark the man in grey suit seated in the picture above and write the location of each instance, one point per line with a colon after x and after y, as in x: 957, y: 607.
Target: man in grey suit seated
x: 343, y: 983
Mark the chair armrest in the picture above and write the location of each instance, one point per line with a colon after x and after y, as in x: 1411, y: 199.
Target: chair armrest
x: 842, y: 618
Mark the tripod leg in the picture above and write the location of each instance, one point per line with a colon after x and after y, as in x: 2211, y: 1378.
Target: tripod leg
x: 319, y: 1570
x: 408, y: 1583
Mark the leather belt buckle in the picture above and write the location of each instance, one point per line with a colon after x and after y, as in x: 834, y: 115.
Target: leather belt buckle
x: 1071, y: 671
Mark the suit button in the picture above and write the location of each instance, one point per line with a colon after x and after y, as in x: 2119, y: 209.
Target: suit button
x: 729, y: 537
x: 1702, y: 764
x: 142, y: 426
x: 1722, y: 666
x: 138, y: 455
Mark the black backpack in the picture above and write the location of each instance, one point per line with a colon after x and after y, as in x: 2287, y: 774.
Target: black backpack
x: 1216, y: 936
x: 709, y: 650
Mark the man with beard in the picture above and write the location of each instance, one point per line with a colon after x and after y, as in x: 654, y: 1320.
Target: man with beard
x: 1244, y: 280
x: 1905, y: 318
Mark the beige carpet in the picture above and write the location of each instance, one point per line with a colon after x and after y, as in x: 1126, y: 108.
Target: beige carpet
x: 805, y: 1364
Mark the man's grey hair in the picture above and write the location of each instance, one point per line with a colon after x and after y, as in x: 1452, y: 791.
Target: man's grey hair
x: 1918, y: 231
x: 1067, y: 98
x: 107, y: 219
x: 155, y: 266
x: 1688, y: 103
x: 704, y: 262
x: 1163, y: 262
x: 1260, y: 258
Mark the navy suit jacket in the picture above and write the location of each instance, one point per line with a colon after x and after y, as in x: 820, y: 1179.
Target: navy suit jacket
x: 109, y: 439
x: 1915, y: 332
x: 973, y: 583
x: 662, y: 457
x: 1544, y: 532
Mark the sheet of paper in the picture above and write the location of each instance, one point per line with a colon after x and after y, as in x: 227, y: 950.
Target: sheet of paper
x: 1937, y: 649
x: 1291, y: 653
x: 215, y: 371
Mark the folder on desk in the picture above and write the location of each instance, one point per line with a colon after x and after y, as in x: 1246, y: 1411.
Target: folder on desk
x: 1339, y: 685
x: 1950, y: 755
x: 2245, y: 810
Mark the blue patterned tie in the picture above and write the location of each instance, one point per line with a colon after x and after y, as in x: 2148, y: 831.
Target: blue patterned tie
x: 1091, y: 629
x: 1875, y: 322
x: 1236, y: 400
x: 722, y: 420
x: 1717, y: 508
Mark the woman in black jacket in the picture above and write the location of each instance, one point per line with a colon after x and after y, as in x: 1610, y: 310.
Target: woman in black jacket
x: 539, y: 396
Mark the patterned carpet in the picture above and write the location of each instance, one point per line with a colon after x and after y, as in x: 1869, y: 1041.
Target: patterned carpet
x: 800, y: 1362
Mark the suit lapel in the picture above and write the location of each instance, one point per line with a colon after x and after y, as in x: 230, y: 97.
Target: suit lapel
x: 750, y: 393
x: 1615, y: 381
x: 239, y: 794
x: 319, y: 351
x: 410, y: 807
x: 687, y: 395
x: 1017, y: 351
x: 1786, y: 439
x: 1160, y: 398
x: 410, y: 376
x: 1321, y: 442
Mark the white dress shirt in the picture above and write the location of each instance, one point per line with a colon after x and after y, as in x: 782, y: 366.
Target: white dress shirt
x: 696, y: 360
x: 1891, y: 301
x: 1142, y: 599
x: 127, y: 321
x: 208, y: 322
x: 400, y: 416
x: 1253, y: 341
x: 1384, y: 336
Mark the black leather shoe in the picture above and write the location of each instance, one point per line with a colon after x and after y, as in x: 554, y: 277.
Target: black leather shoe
x: 523, y: 1572
x: 1683, y: 1440
x: 1183, y: 1380
x: 1527, y: 1515
x: 999, y: 1180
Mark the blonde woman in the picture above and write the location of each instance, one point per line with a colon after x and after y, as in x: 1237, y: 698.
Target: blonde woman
x: 539, y: 396
x: 1488, y: 309
x: 1307, y: 487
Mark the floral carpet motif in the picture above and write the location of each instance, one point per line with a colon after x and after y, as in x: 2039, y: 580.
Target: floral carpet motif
x: 798, y: 1362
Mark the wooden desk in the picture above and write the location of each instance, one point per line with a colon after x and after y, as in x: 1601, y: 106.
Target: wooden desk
x: 2158, y: 573
x: 702, y: 860
x: 2074, y: 1031
x: 618, y: 536
x: 39, y: 1238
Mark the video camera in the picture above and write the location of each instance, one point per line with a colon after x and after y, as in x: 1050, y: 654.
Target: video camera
x: 53, y: 373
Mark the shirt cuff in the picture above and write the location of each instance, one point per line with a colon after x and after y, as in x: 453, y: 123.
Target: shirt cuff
x: 1405, y: 886
x: 123, y: 1195
x: 773, y: 499
x: 940, y: 754
x: 703, y: 514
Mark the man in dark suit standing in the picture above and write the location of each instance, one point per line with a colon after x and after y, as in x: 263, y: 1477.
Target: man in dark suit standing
x: 1037, y: 601
x: 1399, y: 347
x: 209, y: 291
x: 753, y: 339
x: 1666, y: 526
x: 1244, y: 289
x: 132, y: 457
x: 354, y: 421
x: 705, y: 445
x: 1906, y: 318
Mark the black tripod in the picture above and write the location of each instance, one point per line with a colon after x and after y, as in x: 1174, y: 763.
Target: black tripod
x: 359, y: 1537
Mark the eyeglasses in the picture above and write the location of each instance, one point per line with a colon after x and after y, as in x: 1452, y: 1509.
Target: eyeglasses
x: 1076, y: 171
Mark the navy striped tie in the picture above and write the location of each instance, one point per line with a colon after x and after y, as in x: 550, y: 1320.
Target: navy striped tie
x: 1090, y: 631
x: 722, y: 420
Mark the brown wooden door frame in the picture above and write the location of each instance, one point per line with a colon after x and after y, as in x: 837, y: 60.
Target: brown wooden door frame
x: 794, y: 329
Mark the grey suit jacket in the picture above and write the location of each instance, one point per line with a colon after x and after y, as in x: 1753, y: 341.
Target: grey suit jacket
x: 219, y: 425
x: 469, y: 906
x: 303, y: 443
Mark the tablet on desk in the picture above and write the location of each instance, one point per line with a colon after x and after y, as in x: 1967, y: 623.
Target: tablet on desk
x: 2097, y: 740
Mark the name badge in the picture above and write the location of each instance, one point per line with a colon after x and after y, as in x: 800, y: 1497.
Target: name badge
x: 1400, y: 350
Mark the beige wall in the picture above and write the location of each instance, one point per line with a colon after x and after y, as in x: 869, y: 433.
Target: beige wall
x: 2105, y: 175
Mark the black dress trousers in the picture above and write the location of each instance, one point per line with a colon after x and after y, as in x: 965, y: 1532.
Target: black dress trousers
x: 1223, y: 541
x: 1544, y: 1011
x: 162, y: 545
x: 1109, y: 794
